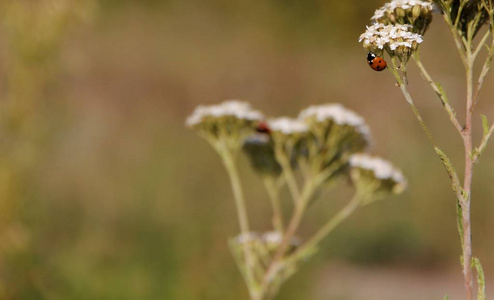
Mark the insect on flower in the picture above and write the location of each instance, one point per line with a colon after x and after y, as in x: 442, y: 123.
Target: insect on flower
x: 375, y: 62
x: 263, y: 127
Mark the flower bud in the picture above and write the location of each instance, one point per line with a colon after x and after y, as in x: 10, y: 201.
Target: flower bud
x: 416, y: 13
x: 259, y: 149
x: 337, y: 134
x: 230, y: 122
x: 400, y: 12
x: 375, y: 178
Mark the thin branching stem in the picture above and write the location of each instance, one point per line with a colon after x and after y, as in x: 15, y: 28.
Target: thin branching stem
x: 481, y: 44
x: 230, y: 165
x: 485, y: 69
x: 402, y: 83
x: 483, y: 143
x: 342, y: 215
x: 457, y: 39
x: 283, y: 158
x: 274, y: 197
x: 292, y: 228
x: 440, y: 93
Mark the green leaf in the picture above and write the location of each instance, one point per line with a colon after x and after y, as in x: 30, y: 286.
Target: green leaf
x: 446, y: 297
x: 443, y: 95
x: 480, y: 278
x: 485, y: 125
x: 452, y: 174
x: 459, y: 223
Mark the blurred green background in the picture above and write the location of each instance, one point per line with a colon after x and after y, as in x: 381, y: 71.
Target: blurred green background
x: 106, y: 195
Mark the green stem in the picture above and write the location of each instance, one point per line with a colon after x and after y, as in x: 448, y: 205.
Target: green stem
x: 297, y: 216
x: 273, y: 192
x: 284, y: 160
x: 402, y: 83
x: 440, y: 93
x: 238, y: 194
x: 342, y: 215
x: 237, y: 191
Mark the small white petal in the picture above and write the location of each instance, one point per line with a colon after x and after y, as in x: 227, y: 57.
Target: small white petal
x: 381, y: 168
x: 287, y: 125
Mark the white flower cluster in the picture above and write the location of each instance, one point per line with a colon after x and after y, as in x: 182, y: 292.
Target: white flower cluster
x: 337, y: 113
x: 381, y: 168
x: 403, y: 4
x: 287, y: 125
x: 379, y: 36
x: 234, y: 108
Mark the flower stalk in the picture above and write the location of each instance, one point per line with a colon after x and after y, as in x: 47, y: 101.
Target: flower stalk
x: 464, y: 20
x: 325, y: 142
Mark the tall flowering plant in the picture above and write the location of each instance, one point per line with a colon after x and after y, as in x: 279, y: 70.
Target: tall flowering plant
x: 397, y: 30
x: 325, y: 145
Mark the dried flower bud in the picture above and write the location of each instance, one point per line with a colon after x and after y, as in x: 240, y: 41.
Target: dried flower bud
x: 416, y: 13
x: 374, y: 177
x: 472, y: 11
x: 230, y: 121
x: 259, y: 148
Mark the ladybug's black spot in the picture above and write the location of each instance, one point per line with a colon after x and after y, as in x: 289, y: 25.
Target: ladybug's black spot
x: 380, y: 61
x: 377, y: 67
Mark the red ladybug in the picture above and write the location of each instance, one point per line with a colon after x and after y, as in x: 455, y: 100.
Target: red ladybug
x: 262, y: 127
x: 375, y: 62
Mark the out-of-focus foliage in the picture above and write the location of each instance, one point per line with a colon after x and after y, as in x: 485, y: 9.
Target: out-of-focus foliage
x: 112, y: 198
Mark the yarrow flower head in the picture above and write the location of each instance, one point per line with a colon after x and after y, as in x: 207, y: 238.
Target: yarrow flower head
x: 397, y: 40
x: 375, y: 177
x: 287, y: 126
x: 288, y: 134
x: 416, y: 13
x: 335, y: 113
x: 230, y: 121
x: 337, y: 133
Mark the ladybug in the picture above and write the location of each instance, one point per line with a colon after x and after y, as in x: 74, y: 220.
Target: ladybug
x: 262, y: 127
x: 375, y: 62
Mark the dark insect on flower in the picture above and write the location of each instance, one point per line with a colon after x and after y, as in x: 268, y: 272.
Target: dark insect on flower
x: 263, y: 127
x: 375, y: 62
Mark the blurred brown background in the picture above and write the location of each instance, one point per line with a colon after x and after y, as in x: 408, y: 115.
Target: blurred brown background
x: 106, y: 195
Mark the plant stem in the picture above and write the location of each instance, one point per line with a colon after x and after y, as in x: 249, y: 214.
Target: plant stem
x: 238, y: 194
x: 440, y: 93
x: 297, y: 216
x: 284, y: 161
x: 237, y: 191
x: 464, y: 196
x: 465, y: 203
x: 402, y: 83
x: 483, y: 143
x: 342, y: 215
x: 272, y: 189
